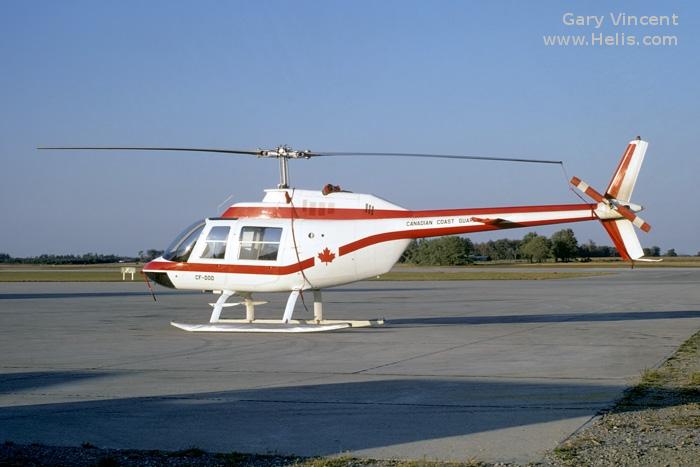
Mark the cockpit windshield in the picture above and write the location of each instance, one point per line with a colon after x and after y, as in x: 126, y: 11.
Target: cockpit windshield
x: 179, y: 250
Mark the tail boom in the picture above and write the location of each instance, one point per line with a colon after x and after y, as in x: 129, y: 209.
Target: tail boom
x: 424, y: 224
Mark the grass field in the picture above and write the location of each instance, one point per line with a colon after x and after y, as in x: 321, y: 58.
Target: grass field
x: 481, y: 275
x: 105, y: 274
x: 112, y: 273
x: 668, y: 262
x: 401, y: 272
x: 65, y: 276
x: 66, y: 273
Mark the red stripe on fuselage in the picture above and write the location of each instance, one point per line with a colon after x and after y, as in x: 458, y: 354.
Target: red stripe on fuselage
x: 155, y: 266
x: 437, y: 232
x: 274, y: 212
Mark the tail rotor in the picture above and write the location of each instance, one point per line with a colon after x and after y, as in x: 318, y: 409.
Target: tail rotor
x: 614, y: 209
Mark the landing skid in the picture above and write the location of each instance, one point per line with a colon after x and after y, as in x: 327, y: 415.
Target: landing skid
x: 273, y: 325
x: 286, y: 324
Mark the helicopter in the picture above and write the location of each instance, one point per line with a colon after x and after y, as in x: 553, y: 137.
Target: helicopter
x: 298, y: 240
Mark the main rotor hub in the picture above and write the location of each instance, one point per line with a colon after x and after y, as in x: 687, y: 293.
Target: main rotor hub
x: 285, y: 152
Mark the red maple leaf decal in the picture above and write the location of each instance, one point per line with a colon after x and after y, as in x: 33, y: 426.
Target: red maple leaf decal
x: 326, y: 256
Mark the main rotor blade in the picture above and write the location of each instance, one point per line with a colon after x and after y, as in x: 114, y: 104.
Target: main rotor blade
x: 304, y: 154
x: 438, y: 156
x: 134, y: 148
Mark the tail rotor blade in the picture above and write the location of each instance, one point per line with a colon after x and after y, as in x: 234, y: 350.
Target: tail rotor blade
x: 624, y: 211
x: 632, y: 217
x: 588, y: 190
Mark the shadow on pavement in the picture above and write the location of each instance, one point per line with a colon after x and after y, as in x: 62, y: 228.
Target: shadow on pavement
x: 59, y: 295
x: 15, y: 382
x: 320, y: 419
x: 544, y: 318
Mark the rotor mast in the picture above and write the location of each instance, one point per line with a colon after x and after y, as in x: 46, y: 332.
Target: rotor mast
x: 283, y: 153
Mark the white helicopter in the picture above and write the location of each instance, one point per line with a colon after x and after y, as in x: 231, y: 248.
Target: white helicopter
x: 305, y: 240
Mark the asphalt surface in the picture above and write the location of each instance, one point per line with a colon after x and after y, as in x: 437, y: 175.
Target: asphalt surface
x: 488, y: 370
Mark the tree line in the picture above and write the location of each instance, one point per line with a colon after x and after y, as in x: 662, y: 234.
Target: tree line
x: 443, y: 251
x: 561, y: 246
x: 87, y: 258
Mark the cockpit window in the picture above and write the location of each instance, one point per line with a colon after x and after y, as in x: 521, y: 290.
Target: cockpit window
x: 260, y: 243
x: 216, y: 242
x: 179, y: 250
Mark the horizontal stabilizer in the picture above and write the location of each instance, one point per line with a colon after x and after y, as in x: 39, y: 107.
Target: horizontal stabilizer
x: 489, y: 221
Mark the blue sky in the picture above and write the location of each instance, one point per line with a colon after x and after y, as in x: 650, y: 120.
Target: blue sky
x: 450, y: 76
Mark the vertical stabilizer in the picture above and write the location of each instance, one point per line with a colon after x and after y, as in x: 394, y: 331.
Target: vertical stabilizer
x: 625, y: 177
x: 624, y: 238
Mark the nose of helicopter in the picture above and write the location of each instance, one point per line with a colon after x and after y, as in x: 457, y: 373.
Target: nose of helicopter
x: 159, y: 277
